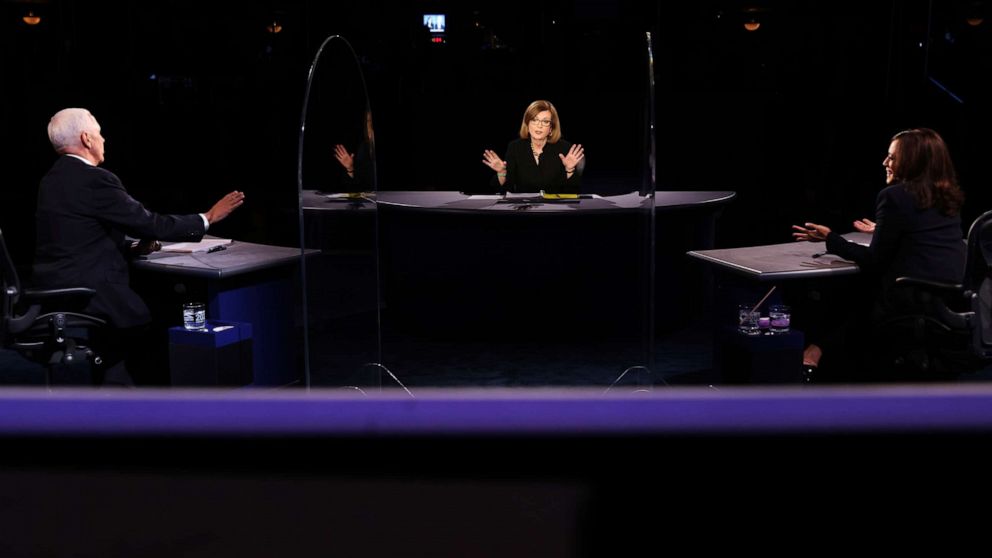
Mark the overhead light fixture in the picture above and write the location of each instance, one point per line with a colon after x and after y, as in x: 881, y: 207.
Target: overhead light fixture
x: 31, y: 18
x: 975, y: 13
x: 751, y: 17
x: 274, y: 27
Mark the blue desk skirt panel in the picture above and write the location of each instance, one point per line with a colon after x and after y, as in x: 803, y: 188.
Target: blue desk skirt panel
x: 218, y: 355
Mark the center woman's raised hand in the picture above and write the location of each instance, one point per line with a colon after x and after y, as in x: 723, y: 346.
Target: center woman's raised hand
x: 493, y: 161
x: 575, y: 155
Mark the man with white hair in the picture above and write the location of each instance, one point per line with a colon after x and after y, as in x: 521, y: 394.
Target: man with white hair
x: 83, y: 215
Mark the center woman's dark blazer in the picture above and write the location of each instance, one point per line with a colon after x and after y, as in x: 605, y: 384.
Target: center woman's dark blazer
x: 83, y: 214
x: 524, y: 174
x: 908, y: 241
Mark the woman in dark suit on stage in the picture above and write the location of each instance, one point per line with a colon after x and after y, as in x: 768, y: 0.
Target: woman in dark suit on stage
x: 917, y: 227
x: 540, y: 160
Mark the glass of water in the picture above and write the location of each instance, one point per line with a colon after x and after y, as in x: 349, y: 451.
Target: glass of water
x: 781, y: 316
x: 747, y: 320
x: 194, y: 316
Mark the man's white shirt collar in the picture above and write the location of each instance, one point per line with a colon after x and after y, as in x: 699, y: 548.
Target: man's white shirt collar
x: 81, y: 159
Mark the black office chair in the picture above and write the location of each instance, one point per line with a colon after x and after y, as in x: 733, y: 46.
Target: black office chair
x: 41, y: 323
x: 949, y: 331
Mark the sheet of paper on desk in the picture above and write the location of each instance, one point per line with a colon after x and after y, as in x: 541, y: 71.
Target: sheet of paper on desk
x: 192, y: 247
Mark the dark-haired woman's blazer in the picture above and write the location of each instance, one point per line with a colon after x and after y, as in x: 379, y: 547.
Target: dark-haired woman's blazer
x: 908, y: 241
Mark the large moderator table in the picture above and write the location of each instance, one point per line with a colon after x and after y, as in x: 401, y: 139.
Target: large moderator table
x: 456, y: 201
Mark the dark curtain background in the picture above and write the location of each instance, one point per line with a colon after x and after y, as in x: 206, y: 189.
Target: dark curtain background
x: 198, y: 98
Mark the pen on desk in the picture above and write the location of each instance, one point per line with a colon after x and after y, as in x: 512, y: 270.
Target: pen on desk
x: 818, y: 254
x: 217, y: 249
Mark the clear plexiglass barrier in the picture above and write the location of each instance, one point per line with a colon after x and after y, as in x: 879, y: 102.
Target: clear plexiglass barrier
x: 338, y: 222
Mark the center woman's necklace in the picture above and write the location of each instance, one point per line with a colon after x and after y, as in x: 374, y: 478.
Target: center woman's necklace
x: 537, y: 154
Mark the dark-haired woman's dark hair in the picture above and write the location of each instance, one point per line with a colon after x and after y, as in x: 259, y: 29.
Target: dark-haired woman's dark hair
x: 923, y: 164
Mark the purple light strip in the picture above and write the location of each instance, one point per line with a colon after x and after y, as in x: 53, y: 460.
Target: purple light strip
x: 558, y: 412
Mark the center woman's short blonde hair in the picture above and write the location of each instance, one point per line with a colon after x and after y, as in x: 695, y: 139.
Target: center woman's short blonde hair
x: 531, y: 113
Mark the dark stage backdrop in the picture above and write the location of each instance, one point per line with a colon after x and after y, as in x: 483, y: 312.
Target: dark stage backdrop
x: 197, y: 98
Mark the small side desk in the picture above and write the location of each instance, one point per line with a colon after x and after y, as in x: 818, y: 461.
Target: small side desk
x: 779, y: 262
x: 246, y: 282
x: 769, y: 359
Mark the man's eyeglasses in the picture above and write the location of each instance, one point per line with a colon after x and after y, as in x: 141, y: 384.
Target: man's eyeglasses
x: 542, y: 123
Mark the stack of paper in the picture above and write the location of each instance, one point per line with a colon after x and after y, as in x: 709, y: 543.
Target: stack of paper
x: 205, y: 245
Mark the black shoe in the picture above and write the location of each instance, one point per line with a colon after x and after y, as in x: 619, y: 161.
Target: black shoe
x: 809, y: 373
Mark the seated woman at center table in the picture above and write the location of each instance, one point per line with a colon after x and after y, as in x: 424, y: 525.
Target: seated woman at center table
x: 540, y: 160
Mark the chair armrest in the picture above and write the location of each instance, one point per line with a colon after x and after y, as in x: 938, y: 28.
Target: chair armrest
x: 72, y: 319
x: 42, y: 294
x: 936, y: 286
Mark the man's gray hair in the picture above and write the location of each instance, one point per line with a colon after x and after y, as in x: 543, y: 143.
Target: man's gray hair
x: 67, y: 125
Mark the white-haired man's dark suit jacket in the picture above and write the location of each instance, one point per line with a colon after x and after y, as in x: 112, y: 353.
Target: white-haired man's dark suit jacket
x: 83, y: 214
